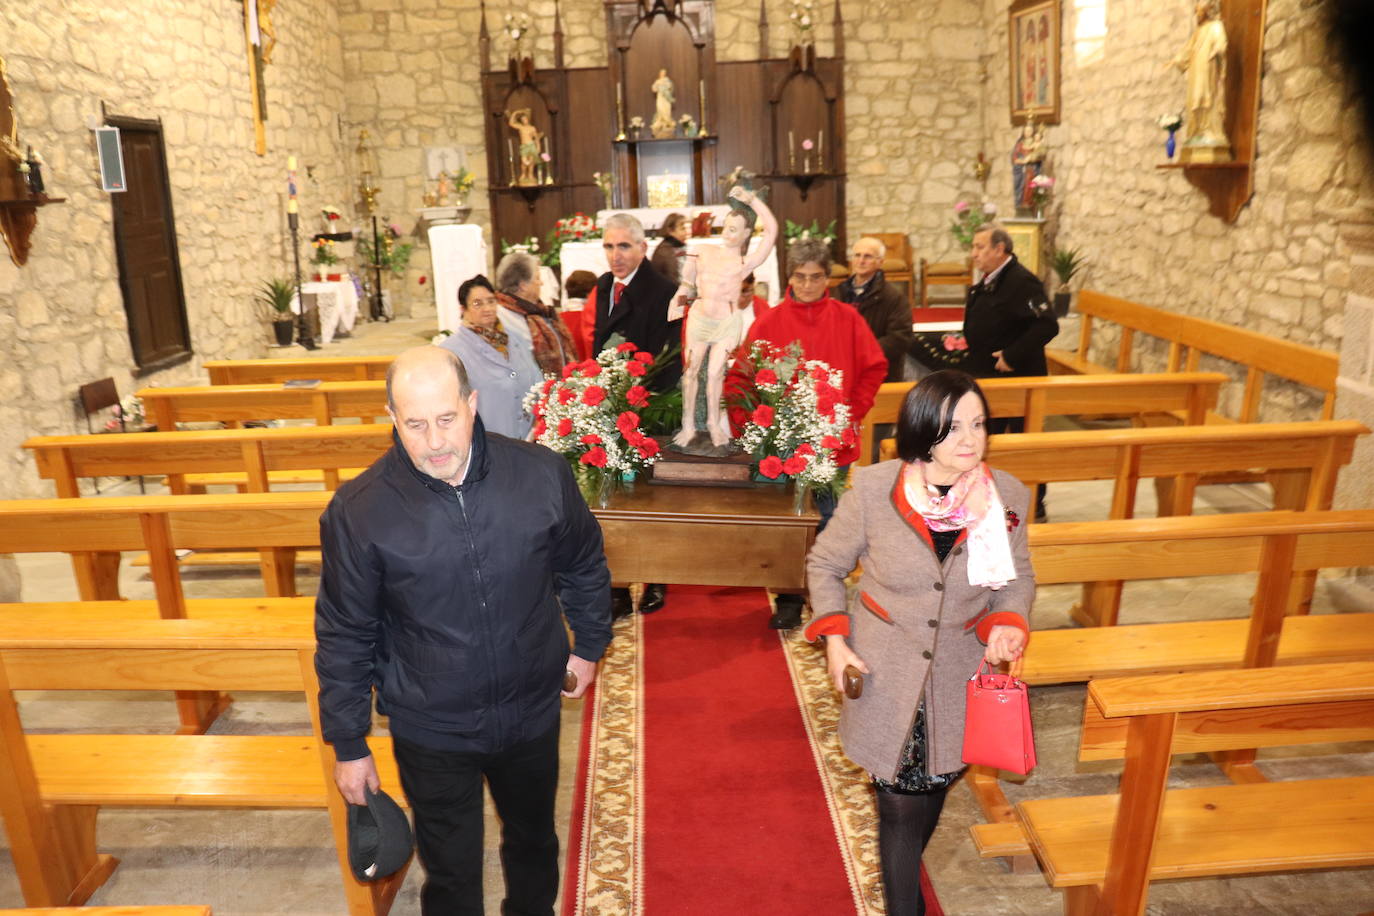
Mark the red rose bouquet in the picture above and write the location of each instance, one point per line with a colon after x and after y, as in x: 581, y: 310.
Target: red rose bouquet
x: 795, y: 416
x: 590, y: 416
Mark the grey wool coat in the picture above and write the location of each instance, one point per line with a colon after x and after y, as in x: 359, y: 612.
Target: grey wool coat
x: 917, y: 623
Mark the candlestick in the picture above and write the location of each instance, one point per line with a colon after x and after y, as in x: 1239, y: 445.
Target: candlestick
x: 619, y: 109
x: 701, y: 93
x: 791, y: 154
x: 510, y: 154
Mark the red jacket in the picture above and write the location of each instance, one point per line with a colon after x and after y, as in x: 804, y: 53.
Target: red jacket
x: 836, y: 333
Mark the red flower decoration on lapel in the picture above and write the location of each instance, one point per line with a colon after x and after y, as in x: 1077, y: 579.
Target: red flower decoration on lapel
x: 1012, y: 520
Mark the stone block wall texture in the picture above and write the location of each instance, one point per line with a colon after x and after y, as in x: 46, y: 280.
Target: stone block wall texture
x: 62, y: 320
x: 1282, y: 267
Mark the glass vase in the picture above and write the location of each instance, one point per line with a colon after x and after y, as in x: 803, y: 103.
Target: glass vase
x: 1169, y: 145
x: 800, y: 491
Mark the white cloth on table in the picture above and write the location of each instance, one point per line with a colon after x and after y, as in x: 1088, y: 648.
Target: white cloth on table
x: 337, y: 301
x: 459, y: 253
x: 591, y: 256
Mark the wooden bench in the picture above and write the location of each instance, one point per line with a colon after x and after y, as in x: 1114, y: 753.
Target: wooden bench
x: 236, y: 404
x: 1285, y: 548
x: 256, y: 453
x: 1189, y: 339
x: 1035, y: 398
x: 276, y: 371
x: 1104, y: 850
x: 53, y: 785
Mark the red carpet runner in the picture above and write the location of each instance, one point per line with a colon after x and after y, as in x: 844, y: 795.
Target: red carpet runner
x: 703, y: 788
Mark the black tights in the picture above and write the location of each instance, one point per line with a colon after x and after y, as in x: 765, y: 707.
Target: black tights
x: 905, y: 825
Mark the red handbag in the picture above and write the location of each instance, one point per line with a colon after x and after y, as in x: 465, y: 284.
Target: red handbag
x: 997, y: 723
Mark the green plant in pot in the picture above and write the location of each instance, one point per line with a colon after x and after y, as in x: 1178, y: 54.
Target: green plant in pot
x: 275, y: 296
x: 1067, y: 263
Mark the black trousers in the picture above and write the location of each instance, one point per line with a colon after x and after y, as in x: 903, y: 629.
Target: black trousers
x: 445, y: 793
x: 998, y: 425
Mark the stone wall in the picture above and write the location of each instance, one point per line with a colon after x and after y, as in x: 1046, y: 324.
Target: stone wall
x: 1281, y: 268
x: 912, y: 97
x: 62, y: 320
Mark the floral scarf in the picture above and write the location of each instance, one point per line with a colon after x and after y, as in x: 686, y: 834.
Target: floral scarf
x: 973, y: 504
x: 549, y: 337
x: 494, y: 336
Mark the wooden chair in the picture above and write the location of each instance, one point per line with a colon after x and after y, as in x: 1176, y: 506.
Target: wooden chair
x: 949, y: 273
x: 898, y: 264
x: 94, y: 397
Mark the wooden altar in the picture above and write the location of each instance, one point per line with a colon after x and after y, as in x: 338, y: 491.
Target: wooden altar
x: 754, y: 113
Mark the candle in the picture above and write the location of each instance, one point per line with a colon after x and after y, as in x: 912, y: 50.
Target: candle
x: 510, y: 154
x: 701, y: 91
x: 291, y: 206
x: 291, y: 163
x: 820, y: 149
x: 619, y: 109
x: 791, y: 153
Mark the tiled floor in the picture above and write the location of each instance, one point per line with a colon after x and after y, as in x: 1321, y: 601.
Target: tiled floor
x: 251, y: 862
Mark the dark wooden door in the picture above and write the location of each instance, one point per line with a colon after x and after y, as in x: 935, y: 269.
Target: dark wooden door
x: 145, y: 242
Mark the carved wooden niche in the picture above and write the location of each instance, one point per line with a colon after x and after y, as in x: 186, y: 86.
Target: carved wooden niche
x: 646, y: 39
x: 18, y: 206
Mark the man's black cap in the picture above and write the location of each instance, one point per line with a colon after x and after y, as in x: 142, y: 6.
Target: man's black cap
x: 379, y: 838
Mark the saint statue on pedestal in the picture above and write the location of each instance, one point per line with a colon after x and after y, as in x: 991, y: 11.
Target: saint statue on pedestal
x: 715, y: 327
x: 1027, y: 161
x: 1203, y: 59
x: 529, y: 145
x: 663, y: 125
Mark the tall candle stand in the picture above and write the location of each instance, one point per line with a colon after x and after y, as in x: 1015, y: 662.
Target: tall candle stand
x: 293, y: 221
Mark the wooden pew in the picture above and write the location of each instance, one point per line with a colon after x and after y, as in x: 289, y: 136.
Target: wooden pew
x: 1285, y: 548
x: 1189, y: 339
x: 1104, y: 850
x: 235, y: 404
x: 53, y: 785
x: 1035, y: 398
x: 276, y: 371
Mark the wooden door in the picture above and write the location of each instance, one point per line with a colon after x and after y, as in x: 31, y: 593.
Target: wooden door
x: 145, y: 244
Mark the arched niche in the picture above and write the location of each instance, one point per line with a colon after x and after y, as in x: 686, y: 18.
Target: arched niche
x: 662, y: 43
x: 544, y: 116
x: 802, y: 110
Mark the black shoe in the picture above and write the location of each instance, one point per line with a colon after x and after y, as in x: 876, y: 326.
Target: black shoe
x: 653, y: 597
x: 621, y: 606
x: 787, y: 612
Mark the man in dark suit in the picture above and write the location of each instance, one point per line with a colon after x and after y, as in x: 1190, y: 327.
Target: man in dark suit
x: 632, y: 301
x: 1007, y: 317
x: 1007, y: 322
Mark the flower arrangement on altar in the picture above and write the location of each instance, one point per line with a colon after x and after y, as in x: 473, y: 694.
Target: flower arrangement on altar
x: 968, y: 219
x: 324, y: 252
x: 589, y: 417
x: 803, y: 21
x: 793, y: 417
x: 1042, y: 188
x: 576, y: 228
x: 333, y: 217
x: 794, y: 231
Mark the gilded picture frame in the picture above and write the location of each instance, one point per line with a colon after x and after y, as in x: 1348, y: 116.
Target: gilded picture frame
x: 1033, y: 38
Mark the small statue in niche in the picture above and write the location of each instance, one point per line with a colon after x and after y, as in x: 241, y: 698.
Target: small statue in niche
x: 34, y: 172
x: 442, y: 191
x: 529, y: 145
x: 1027, y: 161
x: 663, y: 126
x: 1203, y: 59
x: 715, y: 328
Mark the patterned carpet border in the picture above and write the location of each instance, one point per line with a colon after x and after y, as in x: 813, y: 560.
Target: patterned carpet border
x: 610, y: 879
x: 848, y: 793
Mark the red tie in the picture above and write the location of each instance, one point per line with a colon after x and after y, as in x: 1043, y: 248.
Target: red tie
x: 616, y: 292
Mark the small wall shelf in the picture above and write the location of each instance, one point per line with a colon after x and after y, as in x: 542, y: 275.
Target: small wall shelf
x: 803, y: 180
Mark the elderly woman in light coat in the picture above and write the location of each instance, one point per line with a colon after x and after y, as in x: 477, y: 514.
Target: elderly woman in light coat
x: 946, y: 583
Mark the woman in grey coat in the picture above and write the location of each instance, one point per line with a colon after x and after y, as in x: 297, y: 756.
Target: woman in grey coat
x: 946, y: 582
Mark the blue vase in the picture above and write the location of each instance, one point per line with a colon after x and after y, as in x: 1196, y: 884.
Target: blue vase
x: 1169, y: 146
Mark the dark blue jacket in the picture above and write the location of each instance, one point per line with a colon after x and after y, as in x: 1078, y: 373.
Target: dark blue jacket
x: 446, y: 599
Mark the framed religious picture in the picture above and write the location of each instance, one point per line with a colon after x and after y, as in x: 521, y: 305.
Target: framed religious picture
x: 1033, y: 34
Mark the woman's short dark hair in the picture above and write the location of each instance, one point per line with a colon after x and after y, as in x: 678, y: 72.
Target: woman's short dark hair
x: 671, y: 223
x: 928, y: 412
x: 580, y: 284
x: 469, y: 285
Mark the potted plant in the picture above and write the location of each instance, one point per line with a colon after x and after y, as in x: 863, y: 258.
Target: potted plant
x: 276, y: 296
x: 1067, y: 262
